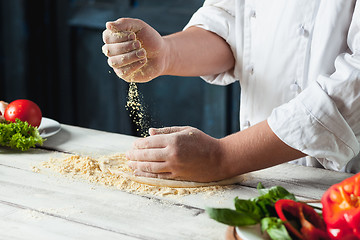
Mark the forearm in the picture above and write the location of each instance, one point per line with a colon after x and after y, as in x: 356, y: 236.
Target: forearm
x: 197, y: 52
x: 254, y: 148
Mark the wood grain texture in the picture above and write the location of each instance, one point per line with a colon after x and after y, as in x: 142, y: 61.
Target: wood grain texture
x: 47, y: 205
x: 71, y: 203
x: 88, y: 142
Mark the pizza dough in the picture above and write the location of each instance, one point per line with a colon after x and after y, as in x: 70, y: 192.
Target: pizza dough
x: 113, y: 171
x: 117, y: 166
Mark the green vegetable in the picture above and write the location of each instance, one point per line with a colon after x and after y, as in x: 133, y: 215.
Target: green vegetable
x: 253, y: 210
x: 256, y: 210
x: 274, y: 193
x: 232, y: 217
x: 19, y: 135
x: 249, y: 207
x: 275, y: 228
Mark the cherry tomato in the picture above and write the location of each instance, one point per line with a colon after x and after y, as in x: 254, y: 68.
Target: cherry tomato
x: 25, y: 110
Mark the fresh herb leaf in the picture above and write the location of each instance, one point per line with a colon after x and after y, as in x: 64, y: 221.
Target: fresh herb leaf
x: 268, y: 197
x: 266, y: 205
x: 275, y: 228
x: 249, y: 207
x: 19, y: 135
x: 251, y: 211
x: 260, y: 186
x: 275, y: 193
x: 231, y: 217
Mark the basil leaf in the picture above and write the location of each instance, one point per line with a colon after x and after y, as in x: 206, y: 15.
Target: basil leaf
x: 231, y: 217
x: 275, y: 228
x: 275, y: 193
x: 252, y: 211
x: 266, y: 205
x: 279, y: 192
x: 260, y: 186
x: 249, y: 207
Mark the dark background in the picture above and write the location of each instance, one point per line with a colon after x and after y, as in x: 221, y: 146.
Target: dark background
x: 50, y: 52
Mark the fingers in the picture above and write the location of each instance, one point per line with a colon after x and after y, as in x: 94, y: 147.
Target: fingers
x: 122, y: 30
x: 125, y: 24
x: 110, y: 37
x: 126, y: 65
x: 119, y: 61
x: 153, y: 175
x: 151, y: 142
x: 166, y: 130
x: 125, y: 54
x: 120, y: 48
x: 148, y: 155
x: 126, y: 50
x: 130, y: 72
x: 148, y: 167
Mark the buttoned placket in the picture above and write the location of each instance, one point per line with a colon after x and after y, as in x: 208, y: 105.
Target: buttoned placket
x: 294, y: 87
x: 304, y: 33
x: 248, y: 73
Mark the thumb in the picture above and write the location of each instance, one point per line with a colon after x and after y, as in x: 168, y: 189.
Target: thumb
x: 165, y: 130
x: 125, y: 25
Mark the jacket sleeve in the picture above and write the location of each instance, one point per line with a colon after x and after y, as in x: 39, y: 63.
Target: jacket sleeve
x: 323, y: 121
x: 219, y: 18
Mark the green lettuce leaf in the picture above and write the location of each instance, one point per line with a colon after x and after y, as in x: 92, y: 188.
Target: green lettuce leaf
x: 19, y: 135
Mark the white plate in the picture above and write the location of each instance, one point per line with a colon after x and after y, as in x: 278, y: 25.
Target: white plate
x: 48, y: 127
x: 250, y: 232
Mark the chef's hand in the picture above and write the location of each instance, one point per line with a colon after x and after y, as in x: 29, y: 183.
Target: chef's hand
x: 135, y: 50
x: 182, y: 153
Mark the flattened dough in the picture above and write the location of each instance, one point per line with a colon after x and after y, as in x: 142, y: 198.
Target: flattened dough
x: 117, y: 165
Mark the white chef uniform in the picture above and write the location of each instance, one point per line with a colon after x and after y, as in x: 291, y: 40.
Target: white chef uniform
x: 298, y: 63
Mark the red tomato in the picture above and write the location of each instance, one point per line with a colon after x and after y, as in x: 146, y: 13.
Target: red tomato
x: 25, y: 110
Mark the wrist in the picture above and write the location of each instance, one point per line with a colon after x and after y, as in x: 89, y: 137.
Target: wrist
x: 169, y: 56
x: 227, y: 163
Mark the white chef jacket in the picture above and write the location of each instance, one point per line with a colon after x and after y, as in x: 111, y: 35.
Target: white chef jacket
x: 298, y: 63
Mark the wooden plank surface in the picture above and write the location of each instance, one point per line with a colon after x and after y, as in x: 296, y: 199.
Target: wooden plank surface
x: 47, y: 205
x: 71, y: 204
x: 88, y: 142
x: 303, y: 181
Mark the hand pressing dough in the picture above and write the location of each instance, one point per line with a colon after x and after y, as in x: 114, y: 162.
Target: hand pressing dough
x: 117, y: 166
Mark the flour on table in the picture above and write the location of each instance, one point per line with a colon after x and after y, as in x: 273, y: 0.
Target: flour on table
x: 114, y: 171
x: 35, y: 169
x: 45, y: 212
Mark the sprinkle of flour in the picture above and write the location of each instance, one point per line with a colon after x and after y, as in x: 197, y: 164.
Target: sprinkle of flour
x: 35, y: 169
x: 137, y: 110
x: 89, y: 168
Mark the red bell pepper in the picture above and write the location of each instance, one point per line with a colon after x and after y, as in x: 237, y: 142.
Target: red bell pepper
x: 301, y: 220
x: 341, y: 209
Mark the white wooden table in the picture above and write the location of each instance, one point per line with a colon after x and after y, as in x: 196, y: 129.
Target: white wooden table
x: 49, y: 206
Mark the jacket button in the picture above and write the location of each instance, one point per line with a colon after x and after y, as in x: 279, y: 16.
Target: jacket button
x: 302, y: 31
x: 250, y: 69
x: 246, y: 124
x: 294, y: 87
x: 252, y: 13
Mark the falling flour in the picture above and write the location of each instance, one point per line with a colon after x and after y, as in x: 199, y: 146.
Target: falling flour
x: 89, y: 168
x: 137, y: 110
